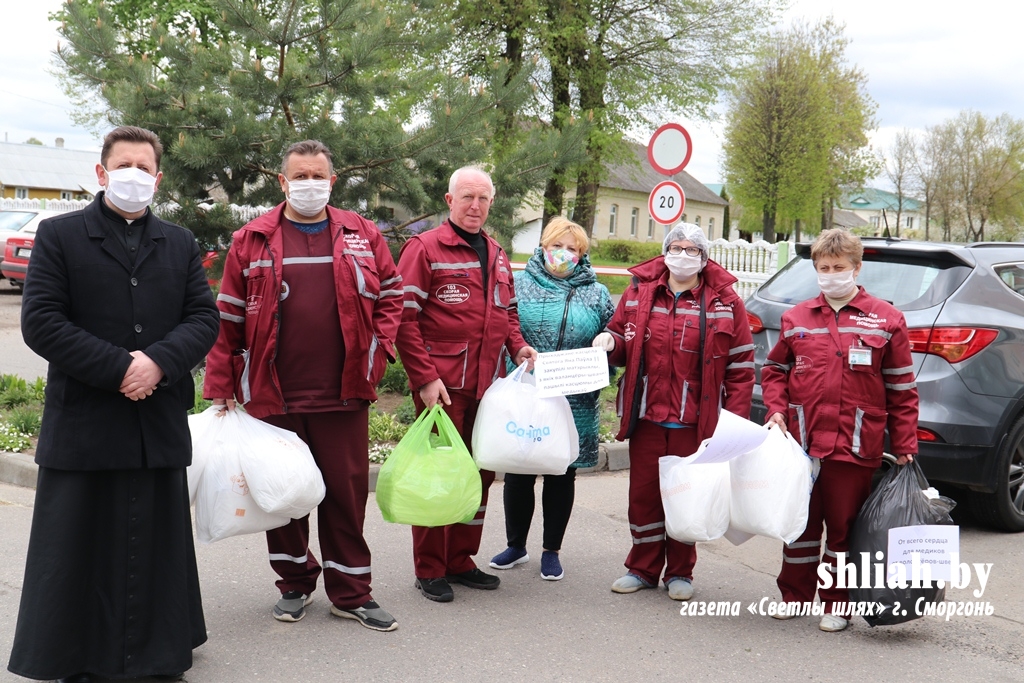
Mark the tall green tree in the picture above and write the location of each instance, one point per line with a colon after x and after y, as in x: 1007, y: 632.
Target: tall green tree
x: 796, y: 128
x: 228, y: 84
x: 615, y: 65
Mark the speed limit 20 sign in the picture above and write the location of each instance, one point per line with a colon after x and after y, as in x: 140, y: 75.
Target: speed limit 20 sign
x: 666, y: 202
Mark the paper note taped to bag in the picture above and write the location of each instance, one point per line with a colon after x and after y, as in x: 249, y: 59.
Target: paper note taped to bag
x: 577, y: 371
x: 733, y: 437
x: 928, y: 545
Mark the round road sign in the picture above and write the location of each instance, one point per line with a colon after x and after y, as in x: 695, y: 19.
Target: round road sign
x: 669, y: 149
x: 666, y: 202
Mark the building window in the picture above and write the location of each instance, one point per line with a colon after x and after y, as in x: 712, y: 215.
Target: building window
x: 65, y: 195
x: 21, y: 193
x: 711, y: 228
x: 696, y: 221
x: 874, y: 221
x: 613, y: 217
x: 650, y: 228
x: 683, y: 218
x: 634, y: 221
x: 910, y: 221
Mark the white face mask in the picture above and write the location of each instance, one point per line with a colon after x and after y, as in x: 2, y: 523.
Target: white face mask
x: 130, y: 189
x: 683, y: 267
x: 837, y: 285
x: 308, y: 197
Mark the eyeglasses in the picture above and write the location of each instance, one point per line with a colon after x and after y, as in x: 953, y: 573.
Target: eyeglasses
x: 676, y: 250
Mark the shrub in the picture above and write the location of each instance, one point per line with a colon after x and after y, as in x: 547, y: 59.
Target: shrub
x: 26, y: 419
x: 16, y: 395
x: 38, y: 389
x: 395, y: 379
x: 406, y: 411
x: 13, y: 441
x: 379, y: 452
x: 384, y: 427
x: 625, y: 251
x: 200, y: 404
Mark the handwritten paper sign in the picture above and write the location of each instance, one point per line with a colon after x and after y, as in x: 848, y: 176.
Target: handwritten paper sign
x: 733, y: 437
x: 577, y: 371
x: 935, y: 546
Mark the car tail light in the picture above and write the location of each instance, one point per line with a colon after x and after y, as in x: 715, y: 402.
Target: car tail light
x: 926, y: 435
x: 955, y: 344
x: 755, y: 323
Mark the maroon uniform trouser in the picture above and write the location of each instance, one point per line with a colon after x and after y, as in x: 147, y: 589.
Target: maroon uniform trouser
x: 339, y: 441
x: 837, y: 496
x: 446, y: 550
x: 652, y: 549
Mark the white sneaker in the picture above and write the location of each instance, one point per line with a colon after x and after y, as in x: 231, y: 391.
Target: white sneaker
x: 630, y: 583
x: 680, y: 589
x: 832, y: 623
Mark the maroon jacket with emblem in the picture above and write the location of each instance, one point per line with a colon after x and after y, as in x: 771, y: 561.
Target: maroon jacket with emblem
x: 727, y: 376
x: 838, y: 410
x: 451, y: 328
x: 369, y: 292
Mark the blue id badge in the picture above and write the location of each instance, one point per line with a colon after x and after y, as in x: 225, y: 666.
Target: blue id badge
x: 860, y: 355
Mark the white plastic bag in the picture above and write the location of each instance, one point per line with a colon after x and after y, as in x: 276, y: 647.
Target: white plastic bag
x: 695, y: 498
x: 278, y: 465
x: 224, y: 504
x: 771, y: 488
x: 517, y: 432
x: 199, y: 425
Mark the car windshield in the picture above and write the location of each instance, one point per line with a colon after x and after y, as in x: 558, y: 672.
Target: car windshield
x: 908, y: 282
x: 13, y: 220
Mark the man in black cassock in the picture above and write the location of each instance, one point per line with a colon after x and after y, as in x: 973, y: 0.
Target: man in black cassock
x: 118, y: 302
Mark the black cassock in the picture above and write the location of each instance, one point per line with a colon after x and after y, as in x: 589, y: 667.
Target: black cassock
x: 111, y: 586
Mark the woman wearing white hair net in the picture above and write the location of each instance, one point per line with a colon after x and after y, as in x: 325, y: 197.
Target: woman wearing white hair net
x: 681, y: 322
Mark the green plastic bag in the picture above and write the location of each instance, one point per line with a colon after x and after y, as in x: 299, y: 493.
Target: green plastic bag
x: 429, y: 479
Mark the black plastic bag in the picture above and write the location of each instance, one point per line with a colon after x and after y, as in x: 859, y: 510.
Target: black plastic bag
x: 899, y: 500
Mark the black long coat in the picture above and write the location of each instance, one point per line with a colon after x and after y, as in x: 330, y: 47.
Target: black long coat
x: 84, y: 308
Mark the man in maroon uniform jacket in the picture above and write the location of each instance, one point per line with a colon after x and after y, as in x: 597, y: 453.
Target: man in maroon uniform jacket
x: 458, y: 323
x: 309, y: 305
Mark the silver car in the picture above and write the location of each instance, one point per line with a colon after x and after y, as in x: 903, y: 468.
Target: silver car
x: 964, y: 305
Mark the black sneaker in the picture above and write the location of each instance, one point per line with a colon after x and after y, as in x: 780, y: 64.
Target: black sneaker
x: 438, y: 590
x: 475, y: 578
x: 371, y: 615
x: 291, y: 606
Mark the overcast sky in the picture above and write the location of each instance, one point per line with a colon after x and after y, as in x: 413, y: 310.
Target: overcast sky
x: 925, y: 60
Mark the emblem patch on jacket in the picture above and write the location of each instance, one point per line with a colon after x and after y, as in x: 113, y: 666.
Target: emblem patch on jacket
x: 452, y: 294
x: 253, y: 303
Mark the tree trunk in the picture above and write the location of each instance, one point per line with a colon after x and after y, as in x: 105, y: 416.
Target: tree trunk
x: 927, y: 217
x: 796, y: 230
x: 558, y: 53
x: 587, y: 185
x: 768, y: 226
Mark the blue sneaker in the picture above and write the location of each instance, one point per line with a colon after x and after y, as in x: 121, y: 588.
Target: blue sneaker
x: 510, y: 557
x: 550, y: 567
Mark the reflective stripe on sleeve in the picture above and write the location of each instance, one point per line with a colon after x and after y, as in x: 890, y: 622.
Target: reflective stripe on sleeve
x: 901, y: 387
x: 413, y: 289
x: 785, y: 366
x: 630, y: 304
x: 231, y: 318
x: 391, y: 292
x: 391, y: 281
x: 897, y: 371
x: 227, y: 298
x: 740, y: 366
x: 740, y: 349
x: 412, y: 304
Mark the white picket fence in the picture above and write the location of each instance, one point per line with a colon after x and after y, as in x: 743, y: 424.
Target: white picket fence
x: 751, y: 263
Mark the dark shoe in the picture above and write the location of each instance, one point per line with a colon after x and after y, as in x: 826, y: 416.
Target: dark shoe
x: 291, y: 606
x: 475, y: 578
x: 509, y: 557
x: 371, y: 615
x: 550, y: 567
x: 78, y: 678
x: 437, y: 590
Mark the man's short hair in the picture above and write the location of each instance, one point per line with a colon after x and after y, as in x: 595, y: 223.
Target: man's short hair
x: 307, y: 148
x: 838, y: 242
x: 454, y: 180
x: 131, y: 134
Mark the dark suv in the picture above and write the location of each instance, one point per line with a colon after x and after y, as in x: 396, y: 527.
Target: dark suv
x: 964, y: 305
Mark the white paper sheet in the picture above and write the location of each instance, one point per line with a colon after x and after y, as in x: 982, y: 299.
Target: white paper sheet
x: 935, y: 545
x: 576, y: 371
x: 733, y: 437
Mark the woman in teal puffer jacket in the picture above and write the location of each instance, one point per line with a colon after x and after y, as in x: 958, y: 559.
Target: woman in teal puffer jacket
x: 561, y: 306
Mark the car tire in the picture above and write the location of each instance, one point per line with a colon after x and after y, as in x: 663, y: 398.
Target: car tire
x: 1004, y: 509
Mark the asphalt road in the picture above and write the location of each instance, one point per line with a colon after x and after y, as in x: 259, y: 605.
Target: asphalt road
x: 15, y: 357
x: 572, y: 630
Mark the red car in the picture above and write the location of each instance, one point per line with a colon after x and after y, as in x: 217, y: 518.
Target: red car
x: 16, y: 256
